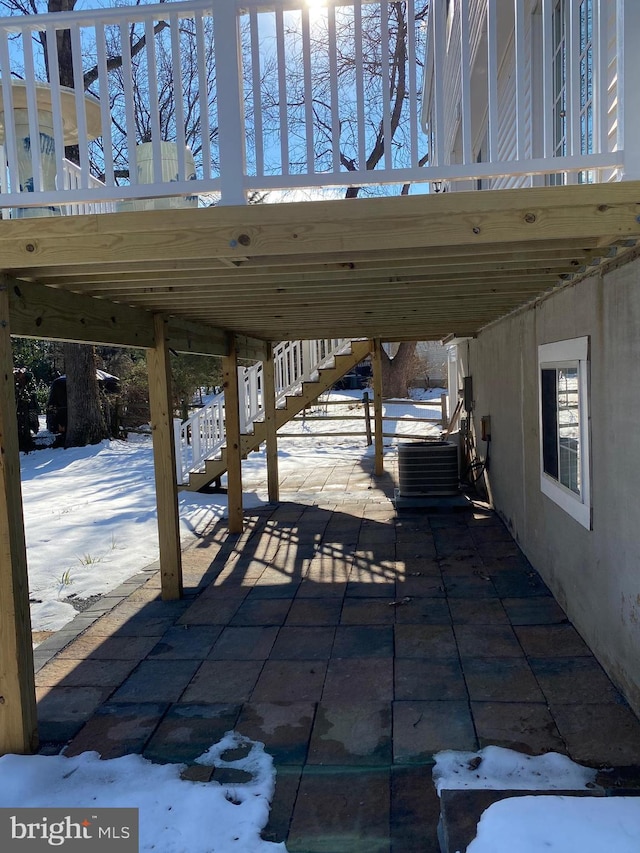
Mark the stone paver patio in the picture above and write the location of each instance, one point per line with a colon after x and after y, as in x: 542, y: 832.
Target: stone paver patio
x: 355, y: 644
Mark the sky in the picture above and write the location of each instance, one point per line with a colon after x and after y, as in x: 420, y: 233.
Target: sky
x: 90, y: 524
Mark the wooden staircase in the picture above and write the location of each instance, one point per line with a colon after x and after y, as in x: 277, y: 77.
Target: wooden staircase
x: 294, y: 404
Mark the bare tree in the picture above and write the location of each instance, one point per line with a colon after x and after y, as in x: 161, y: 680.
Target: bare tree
x: 386, y: 137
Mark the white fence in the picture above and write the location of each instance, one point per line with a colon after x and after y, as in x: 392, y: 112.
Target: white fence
x: 283, y: 95
x: 202, y: 436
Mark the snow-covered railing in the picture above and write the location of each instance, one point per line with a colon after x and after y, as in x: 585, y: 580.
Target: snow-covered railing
x: 285, y: 94
x: 202, y: 435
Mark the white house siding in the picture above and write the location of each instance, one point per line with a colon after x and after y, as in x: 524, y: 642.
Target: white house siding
x: 532, y: 70
x: 595, y: 574
x: 452, y: 84
x: 506, y: 88
x: 507, y: 140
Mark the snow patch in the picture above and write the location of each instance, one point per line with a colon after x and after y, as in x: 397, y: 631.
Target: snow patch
x: 497, y: 768
x: 175, y: 814
x: 560, y: 825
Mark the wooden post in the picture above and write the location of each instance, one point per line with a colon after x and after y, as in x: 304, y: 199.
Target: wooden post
x: 164, y: 460
x: 232, y: 429
x: 18, y: 720
x: 377, y: 405
x: 367, y: 418
x: 269, y: 397
x: 443, y: 406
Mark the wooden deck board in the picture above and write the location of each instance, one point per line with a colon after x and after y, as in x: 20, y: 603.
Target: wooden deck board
x: 392, y: 268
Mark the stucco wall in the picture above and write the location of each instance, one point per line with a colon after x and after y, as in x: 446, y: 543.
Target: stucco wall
x: 594, y: 574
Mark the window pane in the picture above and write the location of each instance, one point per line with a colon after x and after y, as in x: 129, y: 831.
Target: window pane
x: 549, y: 422
x: 569, y: 428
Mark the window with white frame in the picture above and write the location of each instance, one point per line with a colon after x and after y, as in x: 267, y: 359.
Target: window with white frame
x: 564, y: 426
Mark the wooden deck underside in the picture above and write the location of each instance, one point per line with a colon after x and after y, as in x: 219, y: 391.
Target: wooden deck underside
x: 419, y: 267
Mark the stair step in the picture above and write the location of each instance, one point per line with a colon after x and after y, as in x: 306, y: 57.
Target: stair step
x: 293, y: 404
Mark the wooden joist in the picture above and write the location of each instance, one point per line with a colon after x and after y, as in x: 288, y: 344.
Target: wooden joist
x: 396, y: 267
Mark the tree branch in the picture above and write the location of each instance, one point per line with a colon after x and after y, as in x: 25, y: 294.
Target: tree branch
x: 114, y: 62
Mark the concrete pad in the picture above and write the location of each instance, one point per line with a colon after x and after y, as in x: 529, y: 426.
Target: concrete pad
x: 425, y: 641
x: 415, y: 810
x: 66, y: 672
x: 210, y: 610
x: 157, y: 681
x: 423, y: 611
x: 351, y: 732
x: 98, y: 647
x: 290, y: 681
x: 599, y: 734
x: 471, y: 611
x: 523, y: 726
x: 282, y: 803
x: 299, y: 643
x: 262, y: 611
x: 489, y: 641
x: 188, y: 730
x: 579, y: 681
x: 118, y: 728
x: 339, y: 811
x: 244, y: 643
x: 355, y: 679
x: 541, y: 641
x: 283, y: 727
x: 534, y: 611
x: 421, y: 729
x: 469, y: 586
x: 218, y: 681
x: 495, y: 679
x: 307, y: 611
x: 186, y: 642
x: 417, y: 678
x: 429, y: 586
x: 520, y: 585
x: 363, y: 641
x: 368, y: 611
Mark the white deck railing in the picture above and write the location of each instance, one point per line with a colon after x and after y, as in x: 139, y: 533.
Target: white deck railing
x: 281, y: 95
x: 202, y: 435
x: 520, y: 90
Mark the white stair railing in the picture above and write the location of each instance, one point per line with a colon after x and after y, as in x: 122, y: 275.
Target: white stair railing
x: 202, y: 436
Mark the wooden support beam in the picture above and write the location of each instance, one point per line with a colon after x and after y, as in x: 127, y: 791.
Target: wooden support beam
x: 201, y: 339
x: 37, y: 311
x: 234, y: 441
x: 158, y: 363
x: 55, y: 314
x: 376, y: 360
x: 18, y: 720
x: 269, y: 391
x: 236, y: 233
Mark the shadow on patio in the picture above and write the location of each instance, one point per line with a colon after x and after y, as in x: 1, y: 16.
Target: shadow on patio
x: 355, y: 644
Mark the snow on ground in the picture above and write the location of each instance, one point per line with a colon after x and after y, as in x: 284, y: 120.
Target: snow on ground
x: 506, y: 770
x: 90, y: 523
x: 90, y: 513
x: 175, y: 815
x: 555, y: 823
x: 558, y: 824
